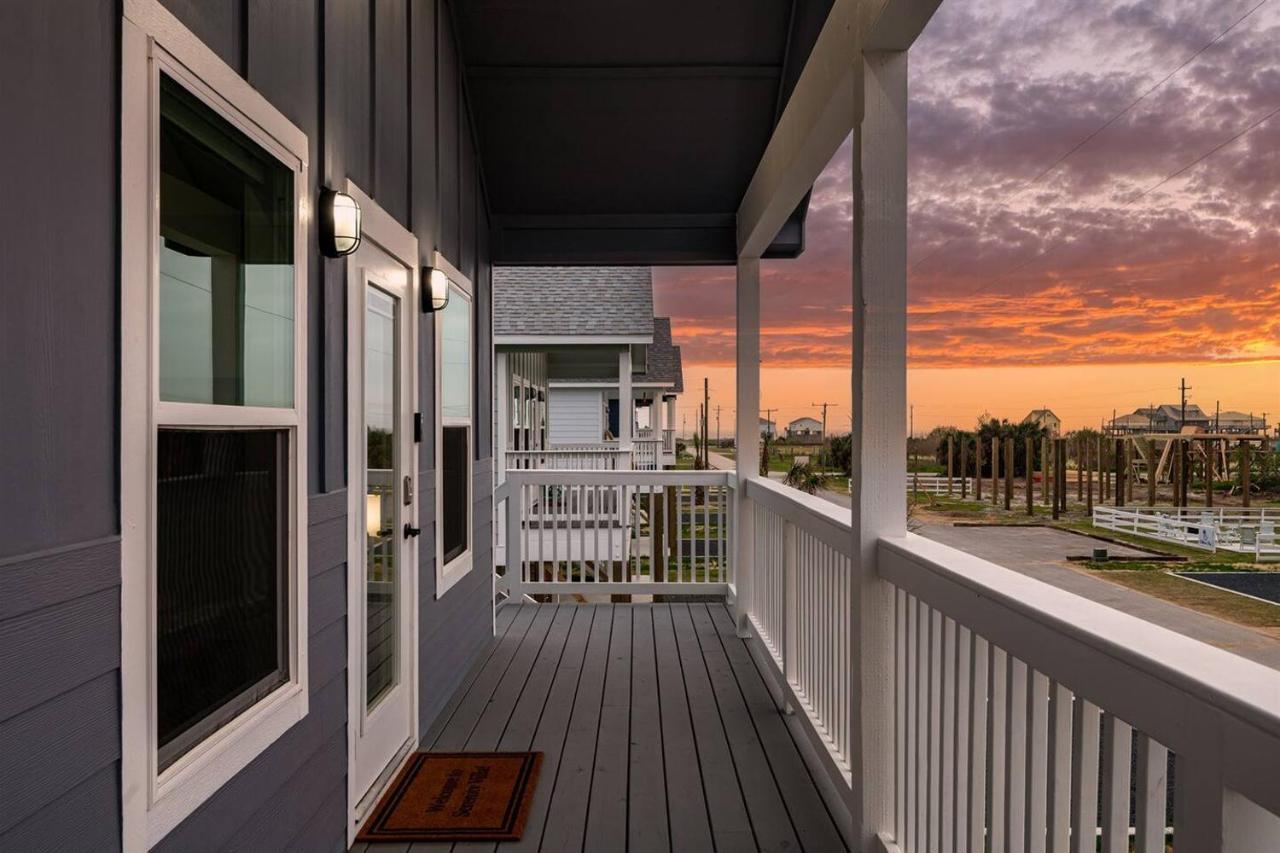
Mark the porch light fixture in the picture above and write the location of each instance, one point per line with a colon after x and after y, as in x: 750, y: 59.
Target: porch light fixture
x: 339, y: 224
x: 435, y: 289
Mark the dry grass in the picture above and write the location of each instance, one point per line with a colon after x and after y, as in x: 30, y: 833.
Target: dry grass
x: 1197, y: 596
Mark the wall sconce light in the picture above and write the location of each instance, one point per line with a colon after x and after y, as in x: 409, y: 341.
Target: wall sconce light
x: 435, y: 289
x: 339, y: 224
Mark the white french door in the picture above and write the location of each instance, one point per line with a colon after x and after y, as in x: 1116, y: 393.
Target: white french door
x: 383, y: 515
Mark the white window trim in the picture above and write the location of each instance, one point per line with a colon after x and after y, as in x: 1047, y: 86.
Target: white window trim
x: 154, y: 802
x: 459, y: 566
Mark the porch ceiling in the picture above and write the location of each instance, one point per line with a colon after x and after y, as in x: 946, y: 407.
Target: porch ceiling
x: 628, y: 134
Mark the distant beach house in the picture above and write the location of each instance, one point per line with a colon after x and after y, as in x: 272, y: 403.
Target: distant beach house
x: 805, y: 431
x: 1045, y: 418
x: 1242, y: 423
x: 581, y: 362
x: 1167, y: 417
x: 768, y: 428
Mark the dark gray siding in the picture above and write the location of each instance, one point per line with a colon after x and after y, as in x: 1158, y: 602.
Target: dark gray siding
x: 59, y: 549
x: 377, y: 88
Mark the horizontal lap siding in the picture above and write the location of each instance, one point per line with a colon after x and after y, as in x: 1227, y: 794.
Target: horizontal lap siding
x: 363, y: 81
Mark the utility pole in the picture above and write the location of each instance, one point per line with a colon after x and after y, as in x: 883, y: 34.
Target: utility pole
x: 706, y: 417
x: 1183, y: 468
x: 1184, y: 388
x: 717, y: 425
x: 824, y: 406
x: 1217, y: 414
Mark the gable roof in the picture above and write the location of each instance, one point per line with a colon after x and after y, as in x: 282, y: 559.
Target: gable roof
x: 1036, y: 414
x: 805, y: 421
x: 664, y: 358
x: 613, y: 303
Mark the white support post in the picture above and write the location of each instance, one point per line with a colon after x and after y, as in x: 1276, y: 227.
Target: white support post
x: 502, y: 427
x: 879, y: 423
x: 747, y: 434
x: 626, y: 402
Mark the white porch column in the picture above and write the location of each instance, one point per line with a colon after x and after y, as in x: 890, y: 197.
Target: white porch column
x: 626, y: 400
x: 671, y: 419
x: 879, y: 423
x: 747, y: 433
x: 502, y: 425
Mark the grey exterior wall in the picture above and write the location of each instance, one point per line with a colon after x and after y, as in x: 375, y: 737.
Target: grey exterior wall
x: 377, y: 88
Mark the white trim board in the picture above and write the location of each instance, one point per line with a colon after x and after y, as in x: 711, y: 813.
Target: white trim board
x: 153, y: 802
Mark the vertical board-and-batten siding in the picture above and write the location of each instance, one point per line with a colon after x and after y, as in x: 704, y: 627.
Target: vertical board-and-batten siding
x: 59, y: 522
x: 363, y: 81
x: 575, y: 416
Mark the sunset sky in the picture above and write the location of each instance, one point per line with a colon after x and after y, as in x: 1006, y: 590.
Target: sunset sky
x: 1083, y: 232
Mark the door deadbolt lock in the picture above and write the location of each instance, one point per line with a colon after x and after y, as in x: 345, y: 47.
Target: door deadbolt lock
x: 410, y: 530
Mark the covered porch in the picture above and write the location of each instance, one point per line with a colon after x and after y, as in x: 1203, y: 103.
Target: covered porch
x: 938, y: 701
x: 658, y: 731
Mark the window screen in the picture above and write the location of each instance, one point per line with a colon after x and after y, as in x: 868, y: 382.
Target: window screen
x: 221, y: 569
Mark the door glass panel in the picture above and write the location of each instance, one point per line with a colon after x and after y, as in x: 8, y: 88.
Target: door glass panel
x: 381, y: 504
x: 226, y: 261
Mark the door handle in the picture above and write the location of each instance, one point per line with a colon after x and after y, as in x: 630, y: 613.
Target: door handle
x: 410, y: 530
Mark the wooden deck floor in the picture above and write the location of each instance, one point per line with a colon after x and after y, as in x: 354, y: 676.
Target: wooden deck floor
x: 658, y: 731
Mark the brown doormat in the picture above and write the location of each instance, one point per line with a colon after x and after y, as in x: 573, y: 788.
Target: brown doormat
x: 456, y: 796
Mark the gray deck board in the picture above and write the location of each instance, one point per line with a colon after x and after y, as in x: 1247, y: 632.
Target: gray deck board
x: 568, y: 791
x: 657, y: 730
x: 686, y: 802
x: 649, y: 828
x: 606, y: 827
x: 725, y: 805
x: 809, y: 814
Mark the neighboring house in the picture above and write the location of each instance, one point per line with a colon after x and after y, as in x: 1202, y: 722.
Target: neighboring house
x: 587, y: 366
x: 1239, y: 423
x: 805, y: 430
x: 1163, y: 418
x: 1046, y: 419
x: 768, y: 428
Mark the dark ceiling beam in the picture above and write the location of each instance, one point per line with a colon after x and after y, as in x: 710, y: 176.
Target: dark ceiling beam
x: 505, y: 72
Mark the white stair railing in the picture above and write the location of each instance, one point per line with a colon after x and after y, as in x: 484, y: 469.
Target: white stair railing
x: 615, y: 532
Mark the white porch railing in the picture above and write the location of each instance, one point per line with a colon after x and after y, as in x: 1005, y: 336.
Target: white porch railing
x: 1019, y: 707
x: 614, y: 532
x: 800, y: 605
x: 646, y: 454
x: 601, y: 457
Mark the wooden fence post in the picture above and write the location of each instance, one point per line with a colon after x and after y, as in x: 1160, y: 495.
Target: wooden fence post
x: 977, y: 467
x: 1057, y: 463
x: 1080, y: 443
x: 1088, y: 467
x: 950, y: 460
x: 964, y: 466
x: 1062, y: 474
x: 1044, y: 471
x: 1120, y: 472
x: 1030, y: 472
x: 1009, y: 473
x: 995, y: 469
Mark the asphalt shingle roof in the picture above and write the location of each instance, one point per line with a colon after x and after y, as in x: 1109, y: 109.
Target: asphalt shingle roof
x: 573, y: 301
x: 664, y: 357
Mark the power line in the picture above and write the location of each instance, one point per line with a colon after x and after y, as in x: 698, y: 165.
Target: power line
x: 1089, y: 137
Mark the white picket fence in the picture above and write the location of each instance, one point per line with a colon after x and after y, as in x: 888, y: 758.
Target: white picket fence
x: 1237, y: 529
x: 937, y: 484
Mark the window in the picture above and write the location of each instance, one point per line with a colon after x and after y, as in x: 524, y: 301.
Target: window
x: 213, y: 449
x: 455, y: 327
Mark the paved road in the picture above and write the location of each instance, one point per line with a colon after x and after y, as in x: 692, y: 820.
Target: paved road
x: 1042, y: 553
